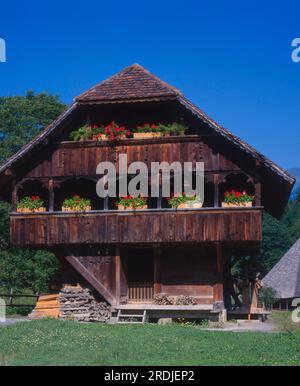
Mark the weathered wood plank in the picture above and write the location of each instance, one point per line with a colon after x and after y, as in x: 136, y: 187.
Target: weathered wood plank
x: 138, y: 227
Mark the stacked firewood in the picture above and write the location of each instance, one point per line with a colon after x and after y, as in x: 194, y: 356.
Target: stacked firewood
x: 163, y: 299
x: 78, y: 303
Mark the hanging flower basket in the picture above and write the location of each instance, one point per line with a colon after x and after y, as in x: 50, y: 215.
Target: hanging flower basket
x: 235, y: 198
x: 132, y: 203
x: 76, y: 204
x: 31, y: 204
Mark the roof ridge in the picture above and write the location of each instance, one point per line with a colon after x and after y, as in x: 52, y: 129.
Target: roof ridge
x: 119, y: 75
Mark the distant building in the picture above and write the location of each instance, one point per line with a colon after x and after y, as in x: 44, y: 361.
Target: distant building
x: 284, y: 277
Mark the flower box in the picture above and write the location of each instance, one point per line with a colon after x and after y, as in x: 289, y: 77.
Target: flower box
x: 76, y: 209
x: 147, y: 135
x: 242, y: 204
x: 27, y: 210
x: 190, y: 205
x: 122, y: 207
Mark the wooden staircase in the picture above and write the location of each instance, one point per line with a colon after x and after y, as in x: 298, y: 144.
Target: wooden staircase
x: 138, y: 318
x: 47, y: 306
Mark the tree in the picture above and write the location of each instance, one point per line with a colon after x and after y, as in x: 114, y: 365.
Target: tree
x: 22, y: 118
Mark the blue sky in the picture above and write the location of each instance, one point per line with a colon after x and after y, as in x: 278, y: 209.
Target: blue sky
x: 231, y: 58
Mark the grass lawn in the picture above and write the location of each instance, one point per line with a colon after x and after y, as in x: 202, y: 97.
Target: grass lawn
x: 51, y: 342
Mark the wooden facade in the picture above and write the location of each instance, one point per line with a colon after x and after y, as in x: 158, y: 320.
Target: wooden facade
x: 131, y: 256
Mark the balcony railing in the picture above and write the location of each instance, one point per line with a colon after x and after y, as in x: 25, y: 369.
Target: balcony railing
x: 140, y: 226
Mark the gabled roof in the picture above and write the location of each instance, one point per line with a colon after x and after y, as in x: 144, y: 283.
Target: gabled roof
x: 284, y: 277
x: 134, y: 82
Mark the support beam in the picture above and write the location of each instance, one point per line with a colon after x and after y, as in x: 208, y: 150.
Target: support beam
x: 118, y: 275
x: 216, y: 190
x: 14, y: 199
x: 51, y: 195
x: 157, y: 272
x: 98, y: 286
x: 218, y: 287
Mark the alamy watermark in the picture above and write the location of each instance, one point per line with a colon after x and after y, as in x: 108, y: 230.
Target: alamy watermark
x: 296, y: 311
x: 296, y: 51
x: 2, y: 51
x: 2, y: 310
x: 162, y: 179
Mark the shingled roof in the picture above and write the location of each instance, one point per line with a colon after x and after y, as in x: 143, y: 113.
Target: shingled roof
x: 136, y: 84
x: 284, y: 277
x: 132, y: 83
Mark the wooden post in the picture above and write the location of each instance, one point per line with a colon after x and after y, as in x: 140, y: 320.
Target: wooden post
x: 257, y: 194
x: 218, y: 287
x: 157, y: 278
x: 14, y: 199
x: 216, y: 190
x: 51, y: 195
x: 118, y: 275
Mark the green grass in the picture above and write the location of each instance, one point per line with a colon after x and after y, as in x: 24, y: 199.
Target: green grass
x: 283, y: 322
x: 50, y: 342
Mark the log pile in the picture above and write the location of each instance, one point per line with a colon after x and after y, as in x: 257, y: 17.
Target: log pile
x: 163, y: 299
x: 79, y: 304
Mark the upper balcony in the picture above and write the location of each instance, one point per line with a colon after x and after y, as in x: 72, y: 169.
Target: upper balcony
x: 228, y: 225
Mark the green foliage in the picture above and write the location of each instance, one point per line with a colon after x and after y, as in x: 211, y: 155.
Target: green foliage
x: 4, y: 225
x: 174, y: 127
x: 178, y: 199
x: 278, y: 237
x: 76, y: 202
x: 84, y: 133
x: 132, y: 202
x: 22, y: 118
x: 268, y: 296
x: 237, y: 198
x: 31, y: 203
x: 20, y: 269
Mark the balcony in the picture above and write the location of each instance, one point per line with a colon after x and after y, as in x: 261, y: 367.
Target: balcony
x: 228, y: 225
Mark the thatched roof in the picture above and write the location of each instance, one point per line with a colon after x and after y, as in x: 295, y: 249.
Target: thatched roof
x: 284, y: 277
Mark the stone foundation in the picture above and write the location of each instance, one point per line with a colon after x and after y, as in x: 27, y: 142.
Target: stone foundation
x: 78, y: 303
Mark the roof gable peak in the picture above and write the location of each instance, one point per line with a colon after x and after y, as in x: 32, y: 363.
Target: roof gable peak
x: 132, y: 83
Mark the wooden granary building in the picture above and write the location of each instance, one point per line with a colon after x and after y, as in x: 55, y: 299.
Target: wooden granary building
x: 129, y: 257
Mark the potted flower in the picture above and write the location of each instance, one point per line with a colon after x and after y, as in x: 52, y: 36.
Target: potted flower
x: 234, y: 198
x: 132, y: 203
x: 184, y: 201
x: 147, y: 130
x: 174, y: 129
x: 112, y: 132
x: 76, y: 204
x: 32, y: 204
x: 84, y: 133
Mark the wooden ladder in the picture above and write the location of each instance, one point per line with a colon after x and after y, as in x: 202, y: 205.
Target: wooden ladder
x: 131, y: 318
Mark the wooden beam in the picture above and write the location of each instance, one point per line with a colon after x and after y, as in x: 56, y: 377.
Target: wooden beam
x: 98, y: 286
x: 157, y: 276
x: 118, y: 275
x: 216, y: 190
x: 218, y: 287
x: 51, y: 195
